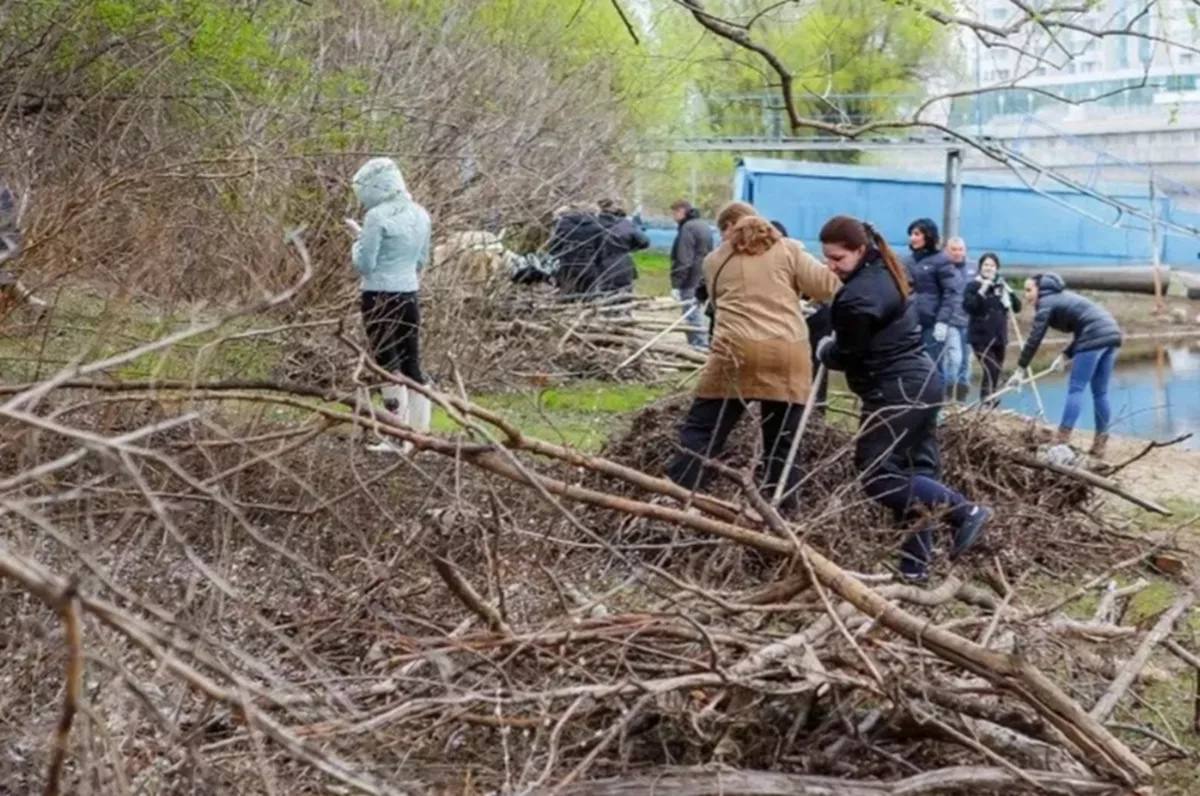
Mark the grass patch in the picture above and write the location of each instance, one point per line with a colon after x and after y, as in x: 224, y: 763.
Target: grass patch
x: 89, y: 327
x: 583, y: 416
x: 654, y: 273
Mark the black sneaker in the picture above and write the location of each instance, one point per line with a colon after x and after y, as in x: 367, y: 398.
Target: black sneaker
x: 914, y: 557
x: 969, y: 530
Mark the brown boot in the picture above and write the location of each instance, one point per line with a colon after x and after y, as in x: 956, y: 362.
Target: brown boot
x: 1063, y: 436
x: 1099, y: 446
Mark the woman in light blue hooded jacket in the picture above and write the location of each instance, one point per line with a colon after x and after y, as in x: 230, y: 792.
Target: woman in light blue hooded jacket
x: 391, y: 249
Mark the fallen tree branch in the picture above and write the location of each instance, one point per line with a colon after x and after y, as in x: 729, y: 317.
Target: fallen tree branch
x: 704, y: 782
x: 466, y: 593
x: 1100, y: 482
x: 1105, y: 705
x: 68, y: 609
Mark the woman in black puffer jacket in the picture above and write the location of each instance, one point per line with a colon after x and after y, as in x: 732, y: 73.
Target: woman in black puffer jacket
x: 876, y: 341
x: 988, y: 301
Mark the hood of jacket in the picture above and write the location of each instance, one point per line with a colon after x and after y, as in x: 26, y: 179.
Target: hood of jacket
x: 929, y: 229
x: 377, y: 181
x: 1049, y: 284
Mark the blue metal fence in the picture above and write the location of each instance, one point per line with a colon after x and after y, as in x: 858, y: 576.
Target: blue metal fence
x: 998, y: 214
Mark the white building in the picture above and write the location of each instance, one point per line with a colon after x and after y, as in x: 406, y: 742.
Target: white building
x: 1077, y: 102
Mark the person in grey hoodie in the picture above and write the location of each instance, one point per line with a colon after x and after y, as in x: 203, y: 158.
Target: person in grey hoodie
x: 937, y: 288
x: 692, y: 244
x: 1092, y: 351
x: 389, y: 252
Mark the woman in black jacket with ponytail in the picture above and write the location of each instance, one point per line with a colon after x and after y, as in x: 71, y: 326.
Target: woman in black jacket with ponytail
x: 876, y: 340
x: 988, y: 301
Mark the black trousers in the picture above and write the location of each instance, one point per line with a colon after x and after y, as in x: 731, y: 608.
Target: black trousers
x: 393, y: 324
x: 896, y: 452
x: 707, y: 426
x: 991, y: 359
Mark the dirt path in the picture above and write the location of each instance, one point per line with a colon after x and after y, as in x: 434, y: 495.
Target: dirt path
x: 1164, y: 475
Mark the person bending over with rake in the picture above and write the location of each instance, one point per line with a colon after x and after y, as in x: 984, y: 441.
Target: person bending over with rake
x: 760, y: 350
x: 877, y: 342
x: 1091, y: 353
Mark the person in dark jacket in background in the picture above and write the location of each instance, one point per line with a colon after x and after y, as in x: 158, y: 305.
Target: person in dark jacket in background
x: 575, y: 243
x: 1092, y: 351
x: 616, y: 270
x: 876, y: 341
x: 692, y: 244
x: 988, y: 300
x: 957, y: 370
x: 937, y: 287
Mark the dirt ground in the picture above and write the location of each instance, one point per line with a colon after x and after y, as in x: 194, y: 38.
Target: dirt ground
x: 1165, y: 475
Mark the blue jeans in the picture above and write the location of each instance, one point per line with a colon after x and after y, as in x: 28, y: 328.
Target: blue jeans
x: 932, y: 347
x: 952, y: 357
x: 963, y: 376
x: 1094, y: 368
x: 697, y: 334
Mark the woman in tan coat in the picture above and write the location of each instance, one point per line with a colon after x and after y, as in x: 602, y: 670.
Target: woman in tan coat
x: 760, y: 350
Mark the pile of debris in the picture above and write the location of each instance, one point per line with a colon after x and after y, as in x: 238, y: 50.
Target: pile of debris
x: 261, y: 604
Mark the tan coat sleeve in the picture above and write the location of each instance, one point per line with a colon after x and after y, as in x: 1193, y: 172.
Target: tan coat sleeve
x: 810, y: 277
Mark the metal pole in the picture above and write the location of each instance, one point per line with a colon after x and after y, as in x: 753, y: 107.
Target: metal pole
x: 1021, y: 342
x: 952, y: 205
x: 791, y: 456
x: 1159, y: 306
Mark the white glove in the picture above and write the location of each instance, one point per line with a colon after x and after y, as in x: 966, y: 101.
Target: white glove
x: 352, y: 225
x: 1059, y: 364
x: 676, y: 295
x: 1014, y: 380
x: 1006, y: 296
x: 940, y: 330
x: 823, y: 346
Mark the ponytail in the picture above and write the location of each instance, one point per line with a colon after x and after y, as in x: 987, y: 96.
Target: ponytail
x: 899, y: 272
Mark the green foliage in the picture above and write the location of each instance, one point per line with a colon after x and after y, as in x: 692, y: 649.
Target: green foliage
x: 852, y: 62
x: 197, y: 46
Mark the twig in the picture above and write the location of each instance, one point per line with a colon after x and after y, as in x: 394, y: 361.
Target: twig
x: 1104, y: 706
x: 465, y: 592
x: 1094, y: 480
x: 957, y: 779
x: 1150, y: 446
x: 68, y: 610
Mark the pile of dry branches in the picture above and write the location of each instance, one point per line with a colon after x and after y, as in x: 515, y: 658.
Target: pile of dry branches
x: 248, y: 602
x: 494, y: 336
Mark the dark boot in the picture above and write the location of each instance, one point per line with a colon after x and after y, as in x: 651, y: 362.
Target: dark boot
x: 1063, y: 436
x: 915, y: 554
x: 1099, y: 446
x: 962, y: 392
x: 969, y: 522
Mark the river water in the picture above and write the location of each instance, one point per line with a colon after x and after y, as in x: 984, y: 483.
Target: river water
x: 1152, y: 397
